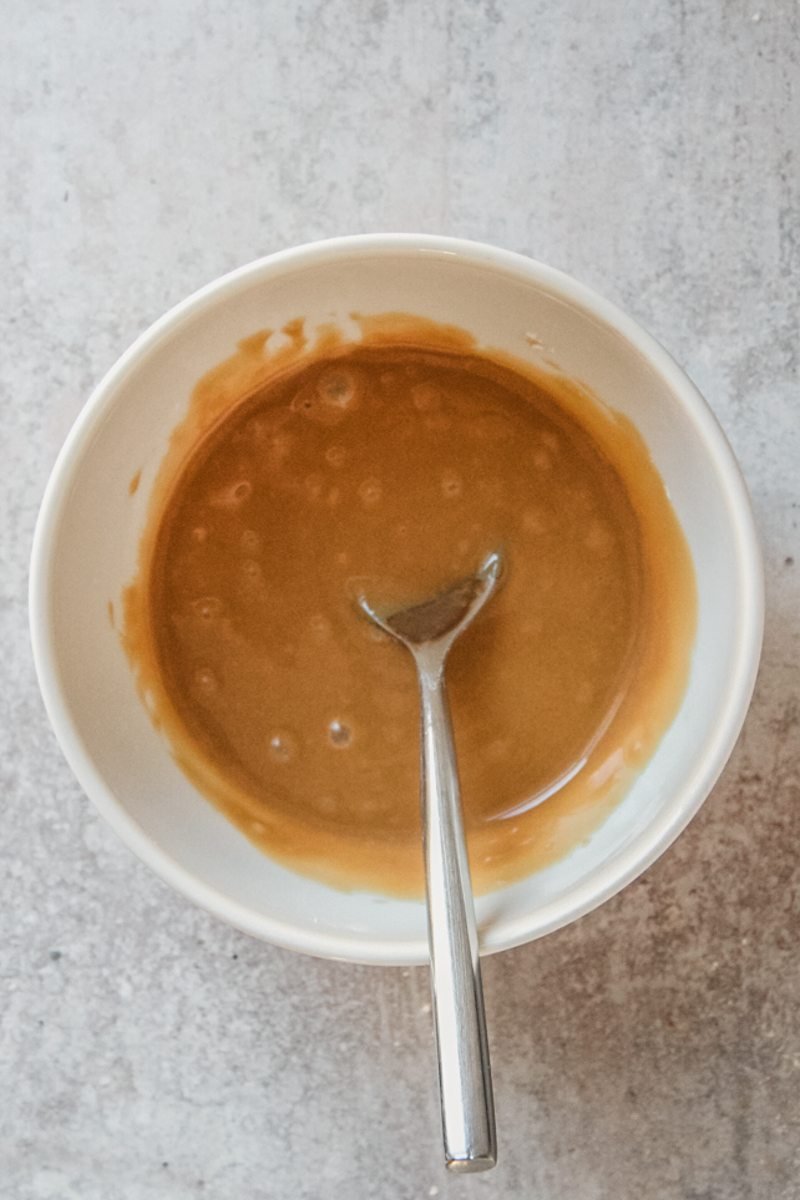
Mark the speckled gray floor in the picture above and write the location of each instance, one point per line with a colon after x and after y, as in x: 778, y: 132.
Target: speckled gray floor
x: 652, y: 1050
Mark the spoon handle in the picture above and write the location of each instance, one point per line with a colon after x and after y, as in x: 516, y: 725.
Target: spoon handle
x: 465, y: 1080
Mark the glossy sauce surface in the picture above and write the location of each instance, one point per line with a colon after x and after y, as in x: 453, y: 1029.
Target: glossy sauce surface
x: 395, y: 470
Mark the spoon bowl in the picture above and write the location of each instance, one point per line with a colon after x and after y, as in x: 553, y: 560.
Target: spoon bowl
x: 438, y: 621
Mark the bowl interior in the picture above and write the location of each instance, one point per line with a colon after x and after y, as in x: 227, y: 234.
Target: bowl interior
x: 90, y: 525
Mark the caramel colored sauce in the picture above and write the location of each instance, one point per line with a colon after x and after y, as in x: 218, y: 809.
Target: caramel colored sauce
x: 394, y: 465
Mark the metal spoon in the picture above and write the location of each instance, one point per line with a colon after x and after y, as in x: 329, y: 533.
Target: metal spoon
x: 428, y: 631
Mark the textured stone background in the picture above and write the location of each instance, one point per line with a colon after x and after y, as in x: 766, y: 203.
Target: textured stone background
x: 651, y: 1050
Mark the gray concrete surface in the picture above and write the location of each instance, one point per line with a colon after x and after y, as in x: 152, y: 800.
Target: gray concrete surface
x: 653, y: 1049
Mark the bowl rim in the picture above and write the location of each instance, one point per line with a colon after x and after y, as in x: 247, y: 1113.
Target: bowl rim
x: 603, y: 881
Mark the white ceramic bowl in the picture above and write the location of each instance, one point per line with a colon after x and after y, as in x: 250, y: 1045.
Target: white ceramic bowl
x: 85, y: 551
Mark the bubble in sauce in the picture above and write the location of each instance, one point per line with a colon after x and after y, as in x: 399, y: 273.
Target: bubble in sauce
x: 340, y: 734
x: 490, y: 427
x: 258, y: 827
x: 583, y: 500
x: 452, y: 484
x: 542, y: 460
x: 326, y: 804
x: 370, y: 492
x: 498, y: 749
x: 255, y: 429
x: 335, y: 456
x: 313, y: 485
x: 207, y: 607
x: 206, y: 681
x: 250, y: 542
x: 426, y: 397
x: 337, y: 388
x: 599, y: 539
x: 333, y: 497
x: 199, y: 534
x: 279, y: 446
x: 551, y: 440
x: 534, y: 521
x: 282, y: 746
x: 232, y: 496
x: 328, y: 400
x: 251, y: 570
x: 320, y: 626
